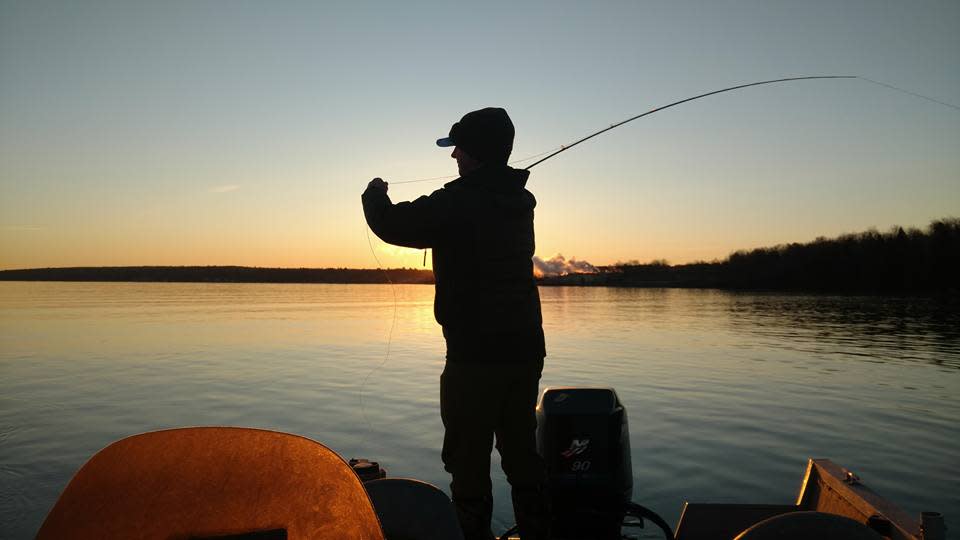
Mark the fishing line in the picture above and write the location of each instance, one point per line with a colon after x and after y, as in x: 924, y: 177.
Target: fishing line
x: 393, y: 324
x: 914, y: 94
x: 564, y: 148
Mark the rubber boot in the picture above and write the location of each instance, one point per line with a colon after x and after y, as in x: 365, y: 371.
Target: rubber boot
x: 531, y: 508
x: 475, y: 516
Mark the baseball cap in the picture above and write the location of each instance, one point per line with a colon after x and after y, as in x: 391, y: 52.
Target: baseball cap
x: 486, y: 134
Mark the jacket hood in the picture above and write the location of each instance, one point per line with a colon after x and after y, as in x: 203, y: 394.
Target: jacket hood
x: 506, y: 185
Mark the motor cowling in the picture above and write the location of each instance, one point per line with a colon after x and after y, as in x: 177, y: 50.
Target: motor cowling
x: 583, y: 436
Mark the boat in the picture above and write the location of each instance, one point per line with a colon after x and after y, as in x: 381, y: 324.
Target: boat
x: 233, y: 483
x: 832, y: 503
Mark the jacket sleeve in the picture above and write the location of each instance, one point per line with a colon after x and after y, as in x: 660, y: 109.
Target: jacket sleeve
x: 416, y: 224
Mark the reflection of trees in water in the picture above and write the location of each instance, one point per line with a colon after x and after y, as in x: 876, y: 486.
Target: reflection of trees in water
x: 884, y: 329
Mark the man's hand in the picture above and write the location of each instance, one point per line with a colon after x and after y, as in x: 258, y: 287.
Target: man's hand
x: 377, y: 183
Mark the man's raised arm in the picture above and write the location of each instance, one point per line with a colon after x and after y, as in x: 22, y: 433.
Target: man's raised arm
x: 415, y: 224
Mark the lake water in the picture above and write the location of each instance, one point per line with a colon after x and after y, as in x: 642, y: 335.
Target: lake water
x: 727, y: 393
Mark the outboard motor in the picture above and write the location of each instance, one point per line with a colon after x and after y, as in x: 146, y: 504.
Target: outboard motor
x: 582, y: 435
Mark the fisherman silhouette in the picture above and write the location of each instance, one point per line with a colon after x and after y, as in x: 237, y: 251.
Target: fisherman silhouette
x: 480, y: 228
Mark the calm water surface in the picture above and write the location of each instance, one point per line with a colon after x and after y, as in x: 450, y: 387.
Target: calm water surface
x: 728, y: 394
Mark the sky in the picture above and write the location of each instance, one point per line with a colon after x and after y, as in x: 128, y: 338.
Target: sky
x: 243, y: 133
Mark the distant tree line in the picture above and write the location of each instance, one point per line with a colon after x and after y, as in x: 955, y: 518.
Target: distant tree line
x: 900, y: 260
x: 895, y: 261
x: 220, y: 274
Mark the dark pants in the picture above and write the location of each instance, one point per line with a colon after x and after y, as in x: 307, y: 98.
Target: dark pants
x: 480, y: 401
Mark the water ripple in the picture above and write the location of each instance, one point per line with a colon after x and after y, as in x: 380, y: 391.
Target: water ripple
x: 727, y: 393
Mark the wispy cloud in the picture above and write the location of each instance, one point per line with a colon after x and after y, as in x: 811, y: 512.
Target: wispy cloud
x: 22, y: 228
x: 224, y: 188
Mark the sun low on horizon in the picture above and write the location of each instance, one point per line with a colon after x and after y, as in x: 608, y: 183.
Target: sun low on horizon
x: 224, y: 134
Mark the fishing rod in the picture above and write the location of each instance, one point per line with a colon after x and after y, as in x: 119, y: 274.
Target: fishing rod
x: 564, y: 148
x: 675, y: 103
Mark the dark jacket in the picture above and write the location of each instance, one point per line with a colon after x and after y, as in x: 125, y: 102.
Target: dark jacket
x: 480, y: 228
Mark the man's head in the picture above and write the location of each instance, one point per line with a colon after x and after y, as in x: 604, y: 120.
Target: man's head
x: 481, y: 137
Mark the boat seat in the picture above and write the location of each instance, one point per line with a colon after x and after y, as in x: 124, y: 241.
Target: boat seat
x: 804, y: 525
x: 210, y: 482
x: 413, y: 510
x: 708, y: 521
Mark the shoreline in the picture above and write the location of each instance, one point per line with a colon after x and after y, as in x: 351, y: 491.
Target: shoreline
x: 608, y: 277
